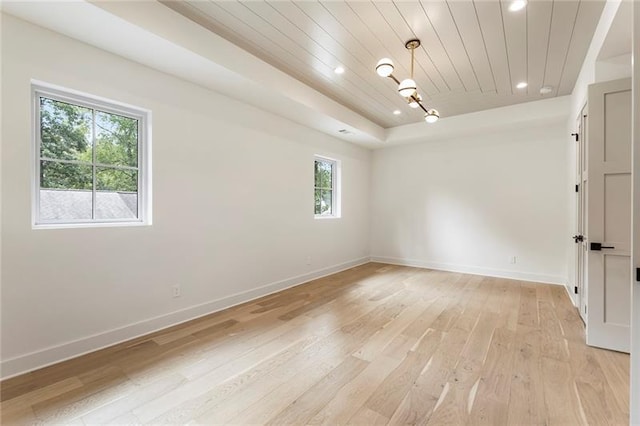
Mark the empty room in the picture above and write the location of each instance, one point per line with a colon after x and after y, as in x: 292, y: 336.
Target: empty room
x: 320, y: 212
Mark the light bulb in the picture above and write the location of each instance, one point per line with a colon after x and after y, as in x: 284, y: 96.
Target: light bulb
x: 407, y: 88
x: 517, y: 5
x: 384, y: 67
x: 431, y: 116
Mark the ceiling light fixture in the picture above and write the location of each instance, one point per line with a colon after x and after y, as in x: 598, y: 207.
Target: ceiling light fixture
x: 521, y: 85
x: 397, y: 112
x: 545, y: 90
x: 517, y: 5
x: 407, y: 88
x: 339, y: 70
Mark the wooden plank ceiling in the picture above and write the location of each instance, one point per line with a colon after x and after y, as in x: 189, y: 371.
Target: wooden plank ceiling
x: 473, y: 53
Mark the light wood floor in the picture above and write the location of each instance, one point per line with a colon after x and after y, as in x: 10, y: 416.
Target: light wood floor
x: 376, y: 344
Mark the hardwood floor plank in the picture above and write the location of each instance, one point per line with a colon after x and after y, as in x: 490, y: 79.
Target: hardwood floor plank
x: 458, y: 396
x: 210, y: 326
x: 303, y: 408
x: 391, y: 392
x: 511, y: 299
x: 376, y: 344
x: 615, y: 366
x: 552, y: 344
x: 127, y: 402
x: 493, y: 392
x: 216, y: 396
x: 381, y: 339
x: 560, y: 394
x: 99, y: 389
x: 354, y: 394
x: 41, y: 394
x: 596, y: 396
x: 570, y: 322
x: 431, y: 384
x: 528, y: 313
x: 18, y: 416
x: 366, y: 416
x: 223, y: 371
x: 526, y: 396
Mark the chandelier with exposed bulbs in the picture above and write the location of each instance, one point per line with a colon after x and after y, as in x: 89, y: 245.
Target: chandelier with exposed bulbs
x: 407, y: 88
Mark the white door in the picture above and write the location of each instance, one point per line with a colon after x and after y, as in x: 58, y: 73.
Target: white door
x: 581, y: 211
x: 609, y: 215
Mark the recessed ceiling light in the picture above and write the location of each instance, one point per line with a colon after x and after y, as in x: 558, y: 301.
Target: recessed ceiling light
x: 545, y: 90
x: 339, y: 70
x: 521, y: 85
x: 397, y: 112
x: 517, y: 5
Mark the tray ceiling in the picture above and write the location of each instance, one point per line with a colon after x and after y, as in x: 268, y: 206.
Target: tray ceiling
x: 473, y: 53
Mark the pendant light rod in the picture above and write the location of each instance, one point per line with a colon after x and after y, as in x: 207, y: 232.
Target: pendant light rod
x: 411, y: 69
x: 412, y: 45
x: 416, y: 100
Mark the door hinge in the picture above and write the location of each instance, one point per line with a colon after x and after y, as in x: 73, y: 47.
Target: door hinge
x: 577, y: 187
x: 575, y: 135
x: 575, y: 289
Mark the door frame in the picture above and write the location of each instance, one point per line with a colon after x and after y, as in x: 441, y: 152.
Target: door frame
x: 581, y: 214
x: 634, y: 399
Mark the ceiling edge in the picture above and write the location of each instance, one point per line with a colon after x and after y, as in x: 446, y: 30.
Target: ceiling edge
x: 546, y: 111
x: 154, y: 35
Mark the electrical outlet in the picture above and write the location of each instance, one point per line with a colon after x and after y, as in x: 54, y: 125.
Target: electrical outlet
x: 308, y: 260
x: 176, y: 290
x: 513, y: 259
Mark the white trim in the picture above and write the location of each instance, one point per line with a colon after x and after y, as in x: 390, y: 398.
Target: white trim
x: 634, y: 398
x: 567, y: 286
x: 143, y: 169
x: 89, y: 224
x: 336, y: 184
x: 54, y: 354
x: 571, y: 294
x: 474, y: 270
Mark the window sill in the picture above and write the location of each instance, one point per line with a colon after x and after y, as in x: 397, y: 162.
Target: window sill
x: 88, y: 225
x: 326, y: 217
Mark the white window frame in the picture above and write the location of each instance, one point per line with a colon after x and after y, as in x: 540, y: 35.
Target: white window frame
x: 40, y: 89
x: 336, y: 173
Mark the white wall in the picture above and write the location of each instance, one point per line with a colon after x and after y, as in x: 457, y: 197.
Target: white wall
x: 232, y: 209
x: 470, y: 203
x: 613, y: 68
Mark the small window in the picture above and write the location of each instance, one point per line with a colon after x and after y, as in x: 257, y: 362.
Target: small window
x: 91, y: 158
x: 326, y: 188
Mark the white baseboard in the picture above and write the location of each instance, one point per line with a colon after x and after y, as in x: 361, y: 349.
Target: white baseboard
x: 474, y: 270
x: 54, y: 354
x: 571, y: 294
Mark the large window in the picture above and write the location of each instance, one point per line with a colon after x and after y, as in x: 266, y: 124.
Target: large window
x: 326, y: 188
x: 91, y: 160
